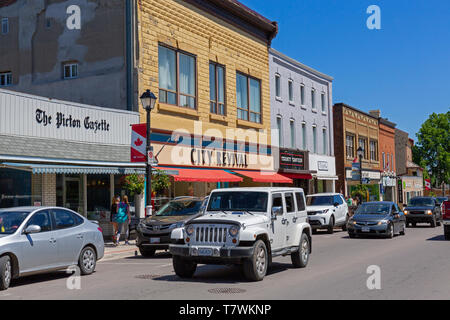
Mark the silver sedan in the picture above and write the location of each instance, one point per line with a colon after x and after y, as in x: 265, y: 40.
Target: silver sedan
x: 44, y: 239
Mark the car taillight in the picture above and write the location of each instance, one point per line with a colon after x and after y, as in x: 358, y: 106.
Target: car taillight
x: 100, y: 229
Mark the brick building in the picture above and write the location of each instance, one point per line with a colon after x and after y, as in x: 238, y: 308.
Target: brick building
x: 353, y: 129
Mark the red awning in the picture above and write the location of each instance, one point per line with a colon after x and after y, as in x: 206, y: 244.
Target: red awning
x: 264, y: 176
x: 305, y: 176
x: 200, y: 175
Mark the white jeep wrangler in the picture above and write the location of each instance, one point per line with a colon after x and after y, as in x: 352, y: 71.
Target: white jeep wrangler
x: 246, y: 227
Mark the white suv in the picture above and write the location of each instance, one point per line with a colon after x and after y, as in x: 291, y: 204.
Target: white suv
x: 246, y: 227
x: 327, y: 210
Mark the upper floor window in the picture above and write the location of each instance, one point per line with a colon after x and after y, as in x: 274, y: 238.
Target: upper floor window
x: 324, y: 103
x: 70, y: 70
x: 217, y: 88
x: 302, y: 94
x: 373, y: 150
x: 5, y: 79
x: 314, y: 130
x: 292, y: 131
x: 363, y: 144
x: 291, y: 91
x: 5, y: 25
x: 248, y: 97
x: 325, y: 141
x: 350, y: 145
x: 177, y: 78
x: 313, y: 99
x: 278, y: 86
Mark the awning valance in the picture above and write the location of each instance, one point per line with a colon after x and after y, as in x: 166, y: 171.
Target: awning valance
x: 68, y: 169
x: 202, y: 175
x: 264, y: 176
x: 305, y: 176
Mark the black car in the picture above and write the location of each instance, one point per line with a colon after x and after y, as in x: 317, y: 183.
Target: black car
x: 153, y: 233
x: 378, y: 219
x: 423, y: 210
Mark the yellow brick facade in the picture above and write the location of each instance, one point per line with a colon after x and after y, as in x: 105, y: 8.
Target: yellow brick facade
x: 183, y: 26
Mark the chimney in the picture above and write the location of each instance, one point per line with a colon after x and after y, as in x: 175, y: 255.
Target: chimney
x: 375, y: 113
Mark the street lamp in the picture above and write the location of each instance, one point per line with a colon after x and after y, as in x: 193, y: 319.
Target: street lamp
x: 148, y: 100
x: 360, y: 153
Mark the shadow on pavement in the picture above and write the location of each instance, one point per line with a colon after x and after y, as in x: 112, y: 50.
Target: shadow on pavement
x: 40, y: 278
x: 158, y: 255
x: 437, y: 238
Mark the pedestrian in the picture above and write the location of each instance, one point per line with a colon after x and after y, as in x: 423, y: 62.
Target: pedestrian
x: 123, y: 219
x: 114, y: 210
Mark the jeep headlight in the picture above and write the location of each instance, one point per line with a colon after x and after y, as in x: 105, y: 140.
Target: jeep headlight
x: 189, y: 230
x: 233, y: 231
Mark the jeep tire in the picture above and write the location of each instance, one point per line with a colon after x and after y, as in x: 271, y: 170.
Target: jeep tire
x: 255, y: 267
x: 300, y: 257
x: 183, y: 267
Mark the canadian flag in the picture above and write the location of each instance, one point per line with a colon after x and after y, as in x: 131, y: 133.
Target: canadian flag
x: 138, y: 142
x: 428, y: 184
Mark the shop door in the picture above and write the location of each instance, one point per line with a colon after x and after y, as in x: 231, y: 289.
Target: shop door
x: 73, y: 194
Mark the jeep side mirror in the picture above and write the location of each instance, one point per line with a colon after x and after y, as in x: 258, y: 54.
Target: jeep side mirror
x: 276, y: 211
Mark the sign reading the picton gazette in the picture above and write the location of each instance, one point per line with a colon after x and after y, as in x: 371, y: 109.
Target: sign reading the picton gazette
x: 292, y: 159
x: 67, y: 121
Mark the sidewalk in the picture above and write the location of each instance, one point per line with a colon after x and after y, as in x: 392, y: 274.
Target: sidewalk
x: 111, y: 251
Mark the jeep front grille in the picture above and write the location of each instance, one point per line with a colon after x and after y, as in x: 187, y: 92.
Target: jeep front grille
x: 216, y: 235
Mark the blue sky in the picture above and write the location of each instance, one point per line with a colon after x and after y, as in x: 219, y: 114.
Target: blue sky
x: 402, y: 69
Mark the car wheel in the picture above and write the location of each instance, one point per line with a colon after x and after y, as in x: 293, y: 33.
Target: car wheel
x: 447, y: 232
x: 414, y: 224
x: 5, y: 272
x: 403, y: 232
x: 330, y: 228
x: 352, y: 235
x: 300, y: 257
x: 344, y: 227
x: 438, y: 223
x: 255, y: 268
x: 87, y: 261
x: 183, y: 267
x: 147, y: 253
x: 390, y: 231
x: 433, y: 222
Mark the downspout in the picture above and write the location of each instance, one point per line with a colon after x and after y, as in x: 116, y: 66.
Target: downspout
x: 129, y: 54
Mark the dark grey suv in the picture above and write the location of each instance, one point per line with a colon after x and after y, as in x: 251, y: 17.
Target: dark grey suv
x: 423, y: 210
x: 153, y: 233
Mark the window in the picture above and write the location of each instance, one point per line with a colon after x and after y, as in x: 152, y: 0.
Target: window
x: 177, y: 78
x: 278, y: 86
x: 314, y: 130
x: 290, y: 206
x: 304, y: 146
x: 392, y: 163
x: 280, y: 128
x: 291, y: 91
x: 363, y: 144
x: 5, y: 26
x: 217, y: 88
x: 324, y: 107
x: 300, y: 201
x: 70, y: 70
x: 350, y: 145
x: 384, y: 161
x: 373, y: 150
x: 325, y: 141
x: 292, y: 130
x: 5, y: 79
x: 248, y: 98
x: 277, y: 201
x: 338, y: 200
x: 41, y: 219
x: 63, y: 219
x: 302, y: 94
x: 313, y: 99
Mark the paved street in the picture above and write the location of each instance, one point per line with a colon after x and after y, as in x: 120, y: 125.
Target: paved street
x: 412, y: 267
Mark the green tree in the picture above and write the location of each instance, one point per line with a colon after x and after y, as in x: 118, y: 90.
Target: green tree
x: 432, y: 150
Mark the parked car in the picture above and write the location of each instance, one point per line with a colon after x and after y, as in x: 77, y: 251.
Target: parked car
x: 423, y: 210
x: 446, y: 218
x: 43, y: 239
x: 441, y: 200
x: 377, y: 218
x: 153, y: 233
x: 246, y: 227
x: 326, y: 211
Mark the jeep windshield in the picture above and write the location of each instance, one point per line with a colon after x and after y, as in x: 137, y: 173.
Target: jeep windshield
x: 185, y: 207
x: 245, y: 201
x: 10, y: 221
x: 421, y: 202
x: 320, y: 201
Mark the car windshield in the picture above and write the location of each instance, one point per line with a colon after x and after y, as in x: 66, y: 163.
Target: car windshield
x: 421, y: 202
x: 374, y: 208
x: 320, y: 200
x: 238, y: 201
x: 10, y: 221
x: 185, y: 207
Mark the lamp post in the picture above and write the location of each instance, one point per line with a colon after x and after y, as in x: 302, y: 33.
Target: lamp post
x: 148, y: 100
x: 360, y: 154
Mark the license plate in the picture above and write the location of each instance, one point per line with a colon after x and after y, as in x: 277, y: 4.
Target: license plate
x: 365, y: 229
x: 205, y: 252
x: 155, y: 240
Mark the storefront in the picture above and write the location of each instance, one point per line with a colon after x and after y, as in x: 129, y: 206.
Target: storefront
x: 412, y: 186
x: 324, y: 178
x: 55, y: 153
x: 388, y: 187
x: 371, y: 179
